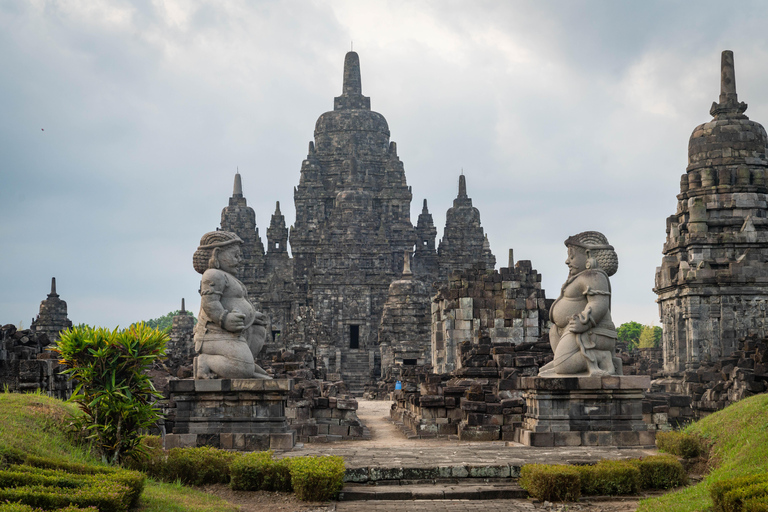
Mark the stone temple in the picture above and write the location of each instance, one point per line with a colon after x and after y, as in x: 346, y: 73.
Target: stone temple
x: 712, y: 285
x: 349, y: 243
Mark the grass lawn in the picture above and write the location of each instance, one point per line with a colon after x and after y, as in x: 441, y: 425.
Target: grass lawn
x: 739, y: 435
x: 35, y: 424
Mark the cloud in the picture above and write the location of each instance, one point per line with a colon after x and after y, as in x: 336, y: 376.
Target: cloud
x: 564, y: 116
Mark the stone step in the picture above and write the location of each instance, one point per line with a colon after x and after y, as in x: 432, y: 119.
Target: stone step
x: 451, y: 491
x: 433, y: 474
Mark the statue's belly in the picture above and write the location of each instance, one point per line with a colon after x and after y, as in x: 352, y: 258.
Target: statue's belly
x: 564, y: 309
x: 240, y: 305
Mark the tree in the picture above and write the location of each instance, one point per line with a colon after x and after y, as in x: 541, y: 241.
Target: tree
x: 113, y: 387
x: 629, y: 333
x: 650, y: 337
x: 165, y: 322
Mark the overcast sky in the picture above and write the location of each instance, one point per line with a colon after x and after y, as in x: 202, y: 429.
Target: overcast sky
x: 122, y: 125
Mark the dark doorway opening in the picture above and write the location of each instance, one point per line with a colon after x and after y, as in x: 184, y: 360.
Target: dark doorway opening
x: 409, y: 362
x: 275, y: 335
x: 354, y: 336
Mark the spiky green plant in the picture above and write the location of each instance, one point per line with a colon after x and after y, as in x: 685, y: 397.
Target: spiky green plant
x: 113, y: 387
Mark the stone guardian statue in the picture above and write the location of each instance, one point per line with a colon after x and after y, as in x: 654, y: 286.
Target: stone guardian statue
x: 229, y: 332
x: 583, y: 336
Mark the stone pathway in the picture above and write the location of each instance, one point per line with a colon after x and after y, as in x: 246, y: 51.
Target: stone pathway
x: 437, y: 506
x: 389, y: 447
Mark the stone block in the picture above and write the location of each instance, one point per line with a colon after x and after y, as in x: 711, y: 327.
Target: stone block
x: 181, y: 386
x: 567, y: 438
x: 282, y: 441
x: 489, y: 471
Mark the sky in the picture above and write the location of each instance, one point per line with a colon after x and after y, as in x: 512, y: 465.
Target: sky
x: 122, y: 125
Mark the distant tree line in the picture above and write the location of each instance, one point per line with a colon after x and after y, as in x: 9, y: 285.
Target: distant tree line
x: 637, y: 335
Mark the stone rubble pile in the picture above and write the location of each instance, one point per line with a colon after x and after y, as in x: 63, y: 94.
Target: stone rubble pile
x: 26, y: 365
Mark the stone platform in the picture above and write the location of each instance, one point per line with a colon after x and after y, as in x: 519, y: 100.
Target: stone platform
x: 584, y: 411
x: 233, y: 414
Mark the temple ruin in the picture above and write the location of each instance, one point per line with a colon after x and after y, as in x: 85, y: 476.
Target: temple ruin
x: 712, y: 284
x: 348, y: 245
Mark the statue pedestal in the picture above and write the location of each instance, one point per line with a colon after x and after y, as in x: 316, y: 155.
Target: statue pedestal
x: 232, y: 414
x: 584, y: 411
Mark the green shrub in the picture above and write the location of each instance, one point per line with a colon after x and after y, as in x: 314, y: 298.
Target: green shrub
x: 20, y: 507
x: 248, y: 473
x: 755, y: 504
x: 719, y: 490
x: 84, y: 483
x: 114, y: 390
x: 259, y: 471
x: 150, y: 460
x: 660, y: 472
x: 681, y: 444
x: 198, y: 466
x: 547, y: 482
x: 134, y: 480
x: 733, y: 500
x: 609, y: 478
x: 105, y: 494
x: 317, y: 478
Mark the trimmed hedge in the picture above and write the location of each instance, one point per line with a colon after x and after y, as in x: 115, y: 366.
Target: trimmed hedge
x: 681, y: 444
x: 198, y: 466
x: 149, y: 457
x: 20, y: 507
x: 317, y: 478
x: 52, y: 484
x: 660, y: 472
x: 609, y: 478
x: 719, y: 491
x: 104, y: 494
x: 259, y: 471
x: 755, y: 505
x: 547, y: 482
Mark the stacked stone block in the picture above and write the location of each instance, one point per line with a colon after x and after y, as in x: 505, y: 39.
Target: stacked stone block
x: 26, y: 364
x: 321, y: 412
x: 507, y: 306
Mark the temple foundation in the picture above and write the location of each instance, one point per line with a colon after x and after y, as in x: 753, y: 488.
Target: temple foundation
x: 584, y: 411
x: 232, y: 414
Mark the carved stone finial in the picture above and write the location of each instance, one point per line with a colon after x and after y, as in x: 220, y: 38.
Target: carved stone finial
x: 277, y: 208
x: 407, y: 264
x: 462, y: 186
x: 53, y: 288
x: 511, y: 260
x: 238, y: 188
x: 424, y: 208
x: 183, y: 309
x: 352, y: 82
x: 729, y: 101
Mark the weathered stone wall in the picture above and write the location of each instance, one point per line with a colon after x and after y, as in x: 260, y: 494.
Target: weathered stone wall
x: 508, y: 306
x: 26, y: 365
x: 52, y: 318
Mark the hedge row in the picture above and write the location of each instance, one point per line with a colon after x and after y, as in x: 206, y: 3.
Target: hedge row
x: 20, y: 507
x: 741, y: 494
x: 311, y: 478
x: 681, y: 444
x: 556, y: 482
x: 51, y: 484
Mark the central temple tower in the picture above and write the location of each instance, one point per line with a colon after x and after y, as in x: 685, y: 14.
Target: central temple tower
x: 352, y: 226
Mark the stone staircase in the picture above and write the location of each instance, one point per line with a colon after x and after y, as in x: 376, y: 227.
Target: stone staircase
x: 355, y: 370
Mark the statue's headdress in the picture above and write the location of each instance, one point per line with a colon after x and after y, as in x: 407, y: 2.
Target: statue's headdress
x: 601, y: 253
x: 204, y: 257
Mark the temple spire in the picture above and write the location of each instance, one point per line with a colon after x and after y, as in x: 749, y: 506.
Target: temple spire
x: 462, y: 186
x: 352, y: 83
x: 424, y: 208
x: 238, y: 188
x: 729, y: 100
x: 277, y: 208
x: 183, y: 309
x: 53, y: 288
x: 407, y: 264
